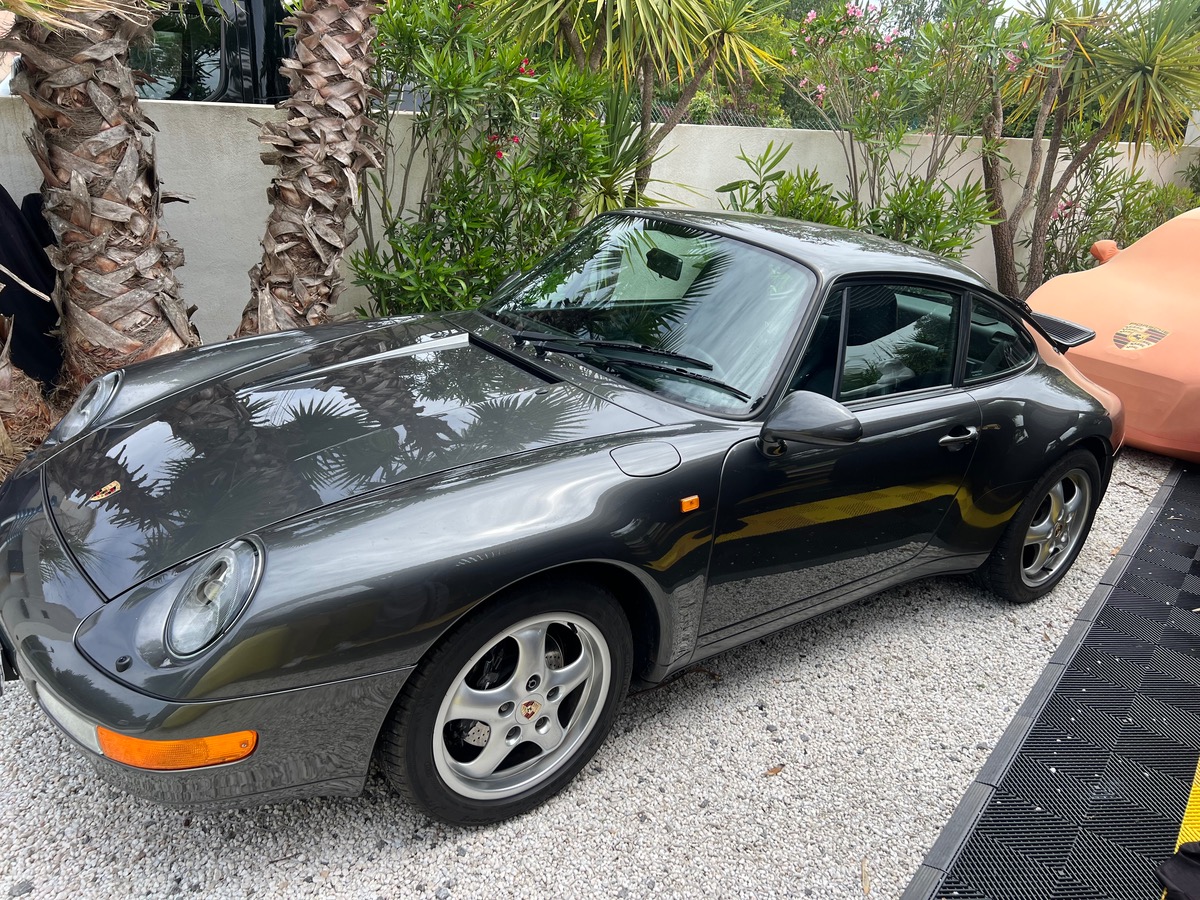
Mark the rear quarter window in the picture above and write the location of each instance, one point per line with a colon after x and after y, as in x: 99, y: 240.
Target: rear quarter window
x: 998, y: 342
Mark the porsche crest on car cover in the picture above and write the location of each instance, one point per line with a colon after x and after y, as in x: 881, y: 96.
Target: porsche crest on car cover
x: 1135, y: 336
x: 107, y: 491
x: 530, y: 708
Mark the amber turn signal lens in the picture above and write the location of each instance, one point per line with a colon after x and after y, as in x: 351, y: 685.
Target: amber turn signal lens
x: 689, y: 504
x: 192, y: 753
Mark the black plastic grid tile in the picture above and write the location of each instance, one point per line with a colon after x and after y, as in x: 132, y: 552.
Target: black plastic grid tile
x: 1097, y: 771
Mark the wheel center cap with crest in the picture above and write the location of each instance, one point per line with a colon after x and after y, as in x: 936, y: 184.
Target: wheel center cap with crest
x: 529, y: 708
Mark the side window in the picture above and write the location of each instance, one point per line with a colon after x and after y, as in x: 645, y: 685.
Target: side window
x: 898, y: 338
x: 998, y: 343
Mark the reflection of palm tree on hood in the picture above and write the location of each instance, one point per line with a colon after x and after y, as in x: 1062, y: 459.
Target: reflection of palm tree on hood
x: 304, y: 432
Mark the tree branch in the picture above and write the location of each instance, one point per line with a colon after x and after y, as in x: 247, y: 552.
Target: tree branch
x: 1039, y: 131
x: 566, y: 28
x: 675, y: 116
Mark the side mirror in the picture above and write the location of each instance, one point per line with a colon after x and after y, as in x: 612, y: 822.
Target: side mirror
x: 807, y: 418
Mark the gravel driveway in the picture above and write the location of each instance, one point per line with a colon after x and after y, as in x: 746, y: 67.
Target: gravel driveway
x: 820, y: 762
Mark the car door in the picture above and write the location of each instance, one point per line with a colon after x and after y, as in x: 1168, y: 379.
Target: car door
x: 794, y: 526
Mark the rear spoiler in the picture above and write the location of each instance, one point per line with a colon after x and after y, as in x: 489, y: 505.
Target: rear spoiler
x: 1062, y: 334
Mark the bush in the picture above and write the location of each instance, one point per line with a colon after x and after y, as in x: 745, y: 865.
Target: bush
x: 934, y: 217
x: 1106, y: 202
x: 803, y: 195
x: 508, y: 151
x: 700, y: 110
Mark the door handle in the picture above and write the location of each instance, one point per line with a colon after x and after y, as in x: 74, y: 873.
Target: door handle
x: 957, y: 438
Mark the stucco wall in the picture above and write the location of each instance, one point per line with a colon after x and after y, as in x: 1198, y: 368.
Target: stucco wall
x: 703, y: 157
x: 210, y: 151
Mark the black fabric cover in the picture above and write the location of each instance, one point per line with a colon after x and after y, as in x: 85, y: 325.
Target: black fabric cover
x: 24, y: 235
x: 1180, y: 874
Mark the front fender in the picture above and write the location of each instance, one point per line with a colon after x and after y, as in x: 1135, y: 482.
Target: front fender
x: 371, y: 584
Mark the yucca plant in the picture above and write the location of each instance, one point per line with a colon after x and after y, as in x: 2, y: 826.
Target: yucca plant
x: 1129, y: 70
x: 644, y: 42
x: 615, y: 185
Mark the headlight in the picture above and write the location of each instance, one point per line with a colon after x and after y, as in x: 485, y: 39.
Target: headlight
x: 91, y: 403
x: 212, y: 597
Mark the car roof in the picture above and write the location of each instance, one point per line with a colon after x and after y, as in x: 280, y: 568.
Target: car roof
x: 832, y: 252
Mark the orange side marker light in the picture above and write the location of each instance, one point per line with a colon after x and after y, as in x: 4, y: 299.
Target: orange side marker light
x: 690, y: 504
x: 192, y: 753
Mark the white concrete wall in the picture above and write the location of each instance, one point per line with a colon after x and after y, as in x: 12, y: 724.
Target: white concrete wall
x: 210, y: 151
x: 705, y: 156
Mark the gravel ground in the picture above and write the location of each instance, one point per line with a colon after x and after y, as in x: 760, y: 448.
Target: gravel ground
x: 821, y: 762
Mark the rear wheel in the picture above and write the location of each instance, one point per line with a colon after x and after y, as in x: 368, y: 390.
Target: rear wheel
x: 1045, y: 536
x: 504, y: 713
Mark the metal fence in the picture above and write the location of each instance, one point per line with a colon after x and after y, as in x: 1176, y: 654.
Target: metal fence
x: 798, y: 116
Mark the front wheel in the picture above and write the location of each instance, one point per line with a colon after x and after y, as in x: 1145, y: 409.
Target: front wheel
x: 1045, y: 536
x: 508, y: 708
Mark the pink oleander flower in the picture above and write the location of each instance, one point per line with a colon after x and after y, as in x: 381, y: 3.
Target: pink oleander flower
x: 820, y: 88
x: 793, y: 51
x: 499, y: 154
x: 516, y: 139
x: 812, y: 14
x: 872, y: 68
x: 875, y: 95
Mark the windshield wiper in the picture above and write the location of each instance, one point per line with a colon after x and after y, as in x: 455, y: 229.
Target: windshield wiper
x: 543, y: 337
x: 694, y: 376
x: 585, y: 350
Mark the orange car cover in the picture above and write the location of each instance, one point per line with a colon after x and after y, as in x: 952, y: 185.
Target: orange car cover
x: 1144, y: 304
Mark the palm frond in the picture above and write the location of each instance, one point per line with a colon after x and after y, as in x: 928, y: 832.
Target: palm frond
x: 59, y: 15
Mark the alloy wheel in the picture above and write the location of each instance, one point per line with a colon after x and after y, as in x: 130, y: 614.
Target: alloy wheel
x: 1058, y: 526
x: 522, y: 706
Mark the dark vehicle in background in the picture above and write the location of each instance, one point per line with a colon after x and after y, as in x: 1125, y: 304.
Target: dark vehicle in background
x: 230, y: 52
x: 237, y: 574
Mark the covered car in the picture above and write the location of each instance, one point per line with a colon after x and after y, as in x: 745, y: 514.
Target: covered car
x: 1144, y: 305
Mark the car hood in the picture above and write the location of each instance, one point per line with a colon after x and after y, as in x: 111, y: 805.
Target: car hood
x: 297, y: 432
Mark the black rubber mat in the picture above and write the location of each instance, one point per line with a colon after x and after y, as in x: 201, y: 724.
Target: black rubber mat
x: 1087, y: 791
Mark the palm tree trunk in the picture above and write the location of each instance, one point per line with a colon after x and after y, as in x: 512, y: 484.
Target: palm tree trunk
x: 117, y: 290
x: 326, y: 141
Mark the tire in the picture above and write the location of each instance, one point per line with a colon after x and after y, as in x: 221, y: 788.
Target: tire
x: 1042, y: 540
x: 543, y: 672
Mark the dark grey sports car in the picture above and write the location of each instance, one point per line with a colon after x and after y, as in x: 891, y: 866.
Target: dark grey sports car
x: 235, y: 574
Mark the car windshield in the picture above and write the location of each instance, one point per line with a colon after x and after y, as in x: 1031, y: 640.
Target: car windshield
x: 695, y: 316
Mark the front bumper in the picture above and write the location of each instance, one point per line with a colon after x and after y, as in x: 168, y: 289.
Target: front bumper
x: 312, y: 741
